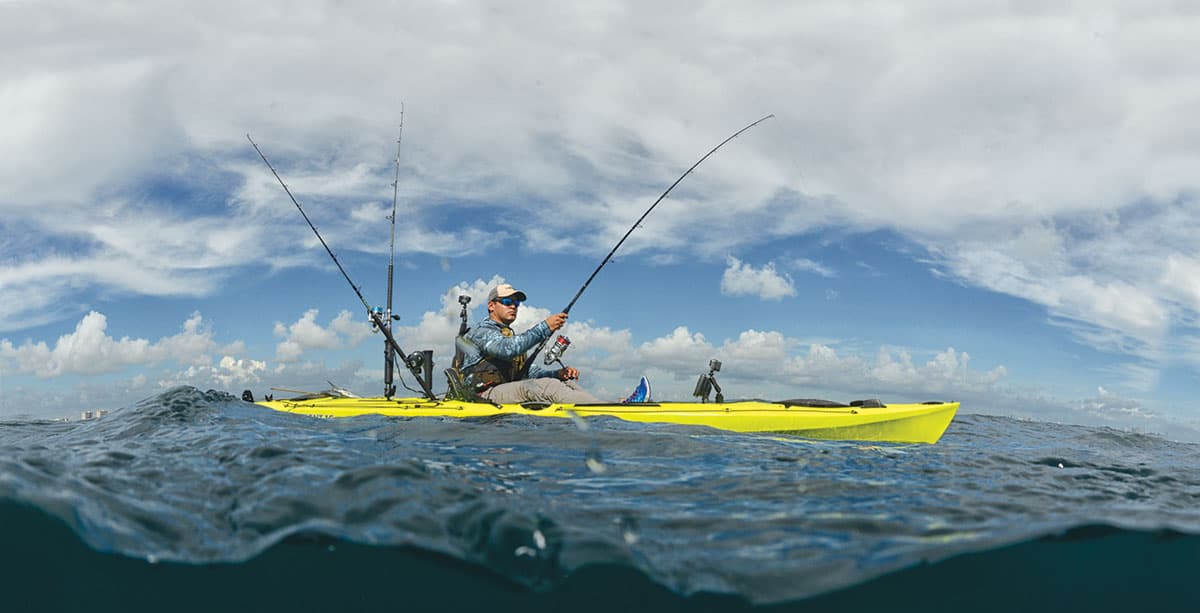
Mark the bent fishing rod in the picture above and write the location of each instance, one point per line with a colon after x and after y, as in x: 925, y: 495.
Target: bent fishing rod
x: 530, y: 359
x: 414, y: 366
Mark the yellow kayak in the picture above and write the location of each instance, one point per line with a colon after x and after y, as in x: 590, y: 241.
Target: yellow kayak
x: 868, y: 421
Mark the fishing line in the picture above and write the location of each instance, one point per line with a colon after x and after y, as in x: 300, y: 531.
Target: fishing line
x: 529, y: 360
x: 414, y: 365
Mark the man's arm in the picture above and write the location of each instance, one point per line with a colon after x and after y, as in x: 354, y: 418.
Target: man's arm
x: 491, y: 341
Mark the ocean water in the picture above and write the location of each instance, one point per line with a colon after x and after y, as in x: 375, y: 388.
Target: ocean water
x: 196, y: 500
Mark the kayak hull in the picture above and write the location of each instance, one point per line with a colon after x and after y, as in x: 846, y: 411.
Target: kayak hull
x: 901, y: 423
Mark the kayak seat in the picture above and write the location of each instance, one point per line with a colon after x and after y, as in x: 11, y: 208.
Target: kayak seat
x: 457, y: 388
x: 870, y: 403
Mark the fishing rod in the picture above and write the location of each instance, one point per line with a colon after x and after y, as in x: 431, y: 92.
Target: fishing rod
x: 528, y: 361
x: 414, y: 363
x: 388, y: 357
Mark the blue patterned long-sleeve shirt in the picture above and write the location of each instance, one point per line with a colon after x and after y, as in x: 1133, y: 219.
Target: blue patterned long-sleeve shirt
x: 487, y: 340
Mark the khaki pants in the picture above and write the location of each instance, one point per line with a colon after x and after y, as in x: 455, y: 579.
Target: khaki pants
x: 543, y: 389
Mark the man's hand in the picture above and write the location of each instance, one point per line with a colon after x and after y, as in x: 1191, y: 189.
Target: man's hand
x: 566, y: 373
x: 556, y: 321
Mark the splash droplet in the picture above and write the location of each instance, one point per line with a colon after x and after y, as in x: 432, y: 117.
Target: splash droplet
x: 628, y: 527
x: 595, y: 463
x: 579, y: 422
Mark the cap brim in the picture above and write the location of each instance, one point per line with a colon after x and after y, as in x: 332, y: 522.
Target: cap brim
x: 518, y: 294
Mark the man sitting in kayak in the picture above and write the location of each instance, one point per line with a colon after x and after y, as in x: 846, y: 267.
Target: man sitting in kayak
x: 493, y: 358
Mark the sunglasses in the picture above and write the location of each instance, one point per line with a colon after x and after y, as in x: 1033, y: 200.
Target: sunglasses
x: 509, y: 302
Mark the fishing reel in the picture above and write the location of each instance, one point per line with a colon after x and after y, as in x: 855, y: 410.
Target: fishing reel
x: 414, y: 361
x: 420, y: 362
x: 707, y: 383
x: 377, y: 315
x: 557, y: 349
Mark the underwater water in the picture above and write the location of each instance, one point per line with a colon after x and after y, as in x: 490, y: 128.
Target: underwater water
x: 193, y: 500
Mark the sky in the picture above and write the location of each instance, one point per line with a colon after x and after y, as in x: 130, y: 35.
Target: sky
x: 991, y: 202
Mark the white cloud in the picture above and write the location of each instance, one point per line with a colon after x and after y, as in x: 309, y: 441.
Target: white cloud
x: 1112, y: 409
x: 756, y: 351
x: 679, y: 350
x: 757, y: 363
x: 236, y: 372
x: 1109, y: 289
x: 1138, y: 377
x: 769, y: 364
x: 89, y: 350
x: 742, y: 279
x: 229, y: 373
x: 350, y: 328
x: 305, y: 334
x: 1181, y: 281
x: 233, y: 374
x: 807, y: 265
x: 948, y: 371
x: 1064, y: 174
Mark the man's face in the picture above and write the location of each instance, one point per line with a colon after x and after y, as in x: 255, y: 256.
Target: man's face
x: 505, y: 314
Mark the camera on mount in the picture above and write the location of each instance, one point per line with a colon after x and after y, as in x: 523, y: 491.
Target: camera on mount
x: 708, y: 382
x: 464, y: 299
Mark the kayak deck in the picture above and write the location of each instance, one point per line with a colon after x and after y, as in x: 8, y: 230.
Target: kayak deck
x: 903, y: 423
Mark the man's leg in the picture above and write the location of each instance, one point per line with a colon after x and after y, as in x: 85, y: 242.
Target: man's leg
x: 545, y: 389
